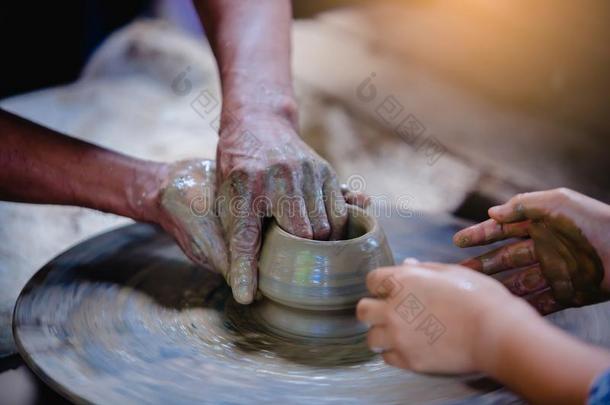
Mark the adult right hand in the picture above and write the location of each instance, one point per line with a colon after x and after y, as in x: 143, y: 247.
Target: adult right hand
x: 266, y: 170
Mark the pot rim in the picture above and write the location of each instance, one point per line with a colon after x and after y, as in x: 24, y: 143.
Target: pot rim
x: 372, y: 227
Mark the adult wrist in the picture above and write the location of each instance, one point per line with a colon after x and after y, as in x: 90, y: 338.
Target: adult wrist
x: 143, y: 195
x: 263, y: 99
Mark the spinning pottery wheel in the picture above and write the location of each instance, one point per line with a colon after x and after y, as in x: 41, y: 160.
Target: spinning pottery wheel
x: 126, y: 318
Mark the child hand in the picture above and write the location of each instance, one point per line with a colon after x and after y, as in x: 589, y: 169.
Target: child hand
x: 566, y: 247
x: 436, y: 318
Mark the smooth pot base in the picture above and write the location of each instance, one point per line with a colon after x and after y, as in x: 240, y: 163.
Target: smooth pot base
x: 303, y: 323
x: 126, y: 318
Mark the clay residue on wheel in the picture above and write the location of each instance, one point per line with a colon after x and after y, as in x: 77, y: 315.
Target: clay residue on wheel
x: 126, y: 318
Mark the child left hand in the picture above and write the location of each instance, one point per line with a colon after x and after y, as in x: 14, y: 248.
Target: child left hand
x: 437, y: 318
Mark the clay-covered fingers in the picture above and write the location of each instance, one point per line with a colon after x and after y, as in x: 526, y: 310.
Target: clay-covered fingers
x: 314, y: 202
x: 209, y: 244
x: 518, y: 254
x: 525, y: 206
x: 525, y: 281
x: 244, y: 246
x: 186, y: 211
x: 309, y: 203
x: 544, y: 302
x: 288, y: 203
x: 336, y: 208
x: 511, y: 219
x: 371, y: 311
x: 242, y: 229
x: 206, y: 228
x: 490, y: 231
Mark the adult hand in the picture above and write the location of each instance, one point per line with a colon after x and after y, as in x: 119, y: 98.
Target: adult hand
x: 185, y: 209
x: 436, y: 318
x: 566, y: 247
x: 265, y: 169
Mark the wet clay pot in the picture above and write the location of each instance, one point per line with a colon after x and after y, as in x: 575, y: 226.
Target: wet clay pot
x: 312, y: 287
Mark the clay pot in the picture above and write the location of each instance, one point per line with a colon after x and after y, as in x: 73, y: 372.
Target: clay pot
x: 309, y: 282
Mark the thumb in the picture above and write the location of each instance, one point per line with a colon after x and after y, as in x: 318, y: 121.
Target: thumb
x: 209, y: 240
x: 244, y: 246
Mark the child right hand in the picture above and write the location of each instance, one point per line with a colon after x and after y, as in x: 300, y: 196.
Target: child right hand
x: 566, y: 247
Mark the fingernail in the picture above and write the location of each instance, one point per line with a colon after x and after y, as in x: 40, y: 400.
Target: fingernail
x: 377, y: 350
x: 242, y: 290
x: 461, y: 240
x: 243, y: 295
x: 495, y: 211
x: 410, y: 260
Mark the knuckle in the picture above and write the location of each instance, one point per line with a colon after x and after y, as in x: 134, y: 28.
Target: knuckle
x: 280, y: 168
x: 240, y: 177
x: 307, y: 166
x: 402, y: 275
x: 505, y: 257
x: 563, y: 193
x: 326, y: 171
x: 518, y: 198
x: 245, y: 239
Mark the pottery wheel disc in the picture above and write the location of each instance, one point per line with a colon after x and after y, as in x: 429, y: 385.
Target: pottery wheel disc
x: 126, y: 318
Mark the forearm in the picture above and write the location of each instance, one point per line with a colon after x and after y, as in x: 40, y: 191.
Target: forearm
x: 39, y: 165
x: 251, y: 41
x: 540, y: 361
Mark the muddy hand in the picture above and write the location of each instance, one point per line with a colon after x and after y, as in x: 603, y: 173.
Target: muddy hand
x: 266, y: 170
x: 565, y: 248
x: 186, y: 211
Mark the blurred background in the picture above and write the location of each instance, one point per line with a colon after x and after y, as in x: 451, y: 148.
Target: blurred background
x: 436, y: 106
